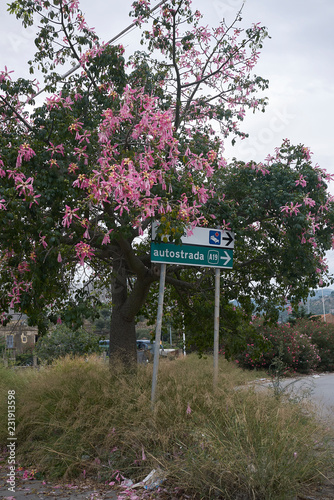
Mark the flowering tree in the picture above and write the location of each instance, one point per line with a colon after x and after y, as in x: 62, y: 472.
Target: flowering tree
x: 119, y: 144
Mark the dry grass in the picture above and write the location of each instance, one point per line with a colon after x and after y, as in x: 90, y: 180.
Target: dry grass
x: 77, y: 415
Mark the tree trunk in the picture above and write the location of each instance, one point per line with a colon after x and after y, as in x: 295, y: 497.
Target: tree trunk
x: 126, y: 305
x: 122, y: 327
x: 122, y: 338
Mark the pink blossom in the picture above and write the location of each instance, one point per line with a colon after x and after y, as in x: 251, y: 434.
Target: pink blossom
x: 4, y: 75
x: 25, y: 153
x: 212, y: 155
x: 72, y: 168
x: 307, y: 153
x: 42, y: 241
x: 53, y: 162
x: 106, y: 238
x: 23, y: 267
x: 301, y: 181
x: 226, y: 226
x: 56, y: 149
x: 309, y: 201
x: 83, y: 137
x: 83, y: 251
x: 53, y: 101
x: 68, y: 217
x: 291, y: 209
x: 34, y: 198
x: 75, y: 126
x: 80, y: 152
x: 25, y: 187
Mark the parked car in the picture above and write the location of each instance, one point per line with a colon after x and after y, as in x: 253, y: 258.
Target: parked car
x: 147, y: 345
x: 145, y: 350
x: 143, y: 346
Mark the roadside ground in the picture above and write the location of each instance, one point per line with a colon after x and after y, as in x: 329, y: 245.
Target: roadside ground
x: 30, y: 486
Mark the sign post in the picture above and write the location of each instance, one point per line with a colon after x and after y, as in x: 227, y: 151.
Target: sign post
x: 204, y: 247
x: 158, y: 332
x: 216, y: 328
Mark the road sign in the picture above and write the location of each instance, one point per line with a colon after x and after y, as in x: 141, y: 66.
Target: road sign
x: 192, y: 255
x: 204, y: 248
x: 205, y: 236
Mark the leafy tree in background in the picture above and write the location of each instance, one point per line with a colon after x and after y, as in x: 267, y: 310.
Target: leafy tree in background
x: 61, y: 341
x: 119, y: 144
x: 282, y: 216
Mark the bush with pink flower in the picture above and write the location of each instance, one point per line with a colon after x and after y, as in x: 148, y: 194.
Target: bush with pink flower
x: 322, y: 335
x: 294, y: 345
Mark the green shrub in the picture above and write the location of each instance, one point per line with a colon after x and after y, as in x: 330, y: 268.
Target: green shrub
x: 322, y: 335
x: 62, y: 341
x: 291, y: 343
x: 26, y: 358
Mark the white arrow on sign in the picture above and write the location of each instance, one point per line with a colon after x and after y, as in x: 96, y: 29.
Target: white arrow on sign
x: 227, y: 258
x: 205, y: 236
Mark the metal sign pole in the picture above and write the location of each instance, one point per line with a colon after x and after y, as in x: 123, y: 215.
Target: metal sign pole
x: 216, y: 328
x: 158, y: 332
x: 183, y: 335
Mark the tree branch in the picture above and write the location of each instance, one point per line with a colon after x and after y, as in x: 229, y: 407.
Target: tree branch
x: 76, y: 55
x: 178, y: 78
x: 29, y: 127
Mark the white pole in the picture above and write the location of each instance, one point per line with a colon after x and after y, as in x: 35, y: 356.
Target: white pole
x: 158, y: 332
x: 216, y: 328
x: 323, y: 304
x: 183, y: 335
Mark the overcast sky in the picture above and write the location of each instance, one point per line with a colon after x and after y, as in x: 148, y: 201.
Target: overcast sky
x: 297, y: 60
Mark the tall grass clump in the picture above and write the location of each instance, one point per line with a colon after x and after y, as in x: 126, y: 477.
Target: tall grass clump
x: 78, y: 415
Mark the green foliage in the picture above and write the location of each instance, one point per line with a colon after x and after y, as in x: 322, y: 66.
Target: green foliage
x: 101, y: 325
x: 192, y: 310
x: 26, y: 358
x: 77, y: 415
x: 322, y: 335
x: 62, y: 341
x: 275, y: 252
x: 302, y: 346
x: 297, y: 314
x: 70, y: 171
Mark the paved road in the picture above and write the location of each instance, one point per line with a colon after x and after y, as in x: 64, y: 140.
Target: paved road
x: 318, y: 388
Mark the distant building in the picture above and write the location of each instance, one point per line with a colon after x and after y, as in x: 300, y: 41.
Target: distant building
x: 18, y: 337
x: 326, y: 318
